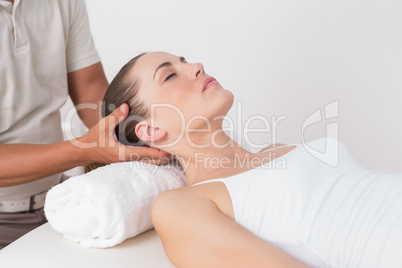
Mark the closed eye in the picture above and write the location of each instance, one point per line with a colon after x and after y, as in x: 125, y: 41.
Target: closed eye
x: 169, y: 76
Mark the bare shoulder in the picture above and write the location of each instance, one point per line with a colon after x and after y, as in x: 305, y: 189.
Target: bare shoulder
x: 171, y: 197
x: 214, y: 193
x: 273, y: 146
x: 203, y: 190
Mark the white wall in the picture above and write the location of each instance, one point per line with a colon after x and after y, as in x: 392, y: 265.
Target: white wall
x: 279, y: 57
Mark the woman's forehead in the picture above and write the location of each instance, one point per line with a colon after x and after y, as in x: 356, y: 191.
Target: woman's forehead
x: 144, y: 70
x: 148, y: 63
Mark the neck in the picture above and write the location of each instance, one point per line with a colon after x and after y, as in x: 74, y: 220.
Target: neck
x: 204, y: 156
x: 11, y: 1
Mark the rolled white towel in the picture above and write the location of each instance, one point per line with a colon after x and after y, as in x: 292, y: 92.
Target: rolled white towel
x: 108, y: 205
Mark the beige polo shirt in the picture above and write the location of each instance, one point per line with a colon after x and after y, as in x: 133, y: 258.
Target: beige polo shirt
x: 40, y: 42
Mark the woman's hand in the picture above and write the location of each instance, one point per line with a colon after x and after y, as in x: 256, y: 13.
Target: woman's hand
x: 103, y: 146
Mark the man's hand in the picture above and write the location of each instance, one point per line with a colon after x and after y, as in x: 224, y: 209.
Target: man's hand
x: 104, y: 147
x: 22, y: 163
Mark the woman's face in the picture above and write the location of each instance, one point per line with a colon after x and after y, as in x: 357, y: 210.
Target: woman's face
x: 179, y: 94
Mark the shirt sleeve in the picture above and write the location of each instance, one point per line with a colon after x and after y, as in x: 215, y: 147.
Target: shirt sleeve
x: 80, y: 50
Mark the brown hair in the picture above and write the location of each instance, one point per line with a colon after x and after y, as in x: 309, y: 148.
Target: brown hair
x: 124, y: 89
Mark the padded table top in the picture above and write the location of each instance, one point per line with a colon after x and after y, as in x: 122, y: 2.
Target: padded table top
x: 44, y: 247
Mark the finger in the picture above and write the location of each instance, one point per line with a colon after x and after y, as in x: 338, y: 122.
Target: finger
x: 155, y: 161
x: 149, y: 161
x: 119, y: 114
x: 144, y: 154
x: 148, y: 152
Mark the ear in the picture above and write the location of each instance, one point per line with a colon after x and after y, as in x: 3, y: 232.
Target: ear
x: 148, y: 133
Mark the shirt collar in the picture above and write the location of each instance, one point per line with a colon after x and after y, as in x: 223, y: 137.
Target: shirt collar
x: 8, y: 6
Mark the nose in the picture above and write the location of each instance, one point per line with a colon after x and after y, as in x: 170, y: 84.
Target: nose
x: 198, y: 70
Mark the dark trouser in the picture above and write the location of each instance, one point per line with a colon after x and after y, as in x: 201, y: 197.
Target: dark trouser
x: 15, y: 225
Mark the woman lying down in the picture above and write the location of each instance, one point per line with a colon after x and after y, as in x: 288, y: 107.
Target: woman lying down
x: 245, y: 210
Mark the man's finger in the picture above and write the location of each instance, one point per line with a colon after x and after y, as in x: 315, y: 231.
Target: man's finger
x: 119, y: 114
x: 156, y: 161
x: 149, y: 152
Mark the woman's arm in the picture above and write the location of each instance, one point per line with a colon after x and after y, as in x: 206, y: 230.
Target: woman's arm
x: 195, y: 233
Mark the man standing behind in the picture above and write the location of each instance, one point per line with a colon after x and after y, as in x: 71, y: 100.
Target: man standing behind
x: 47, y: 53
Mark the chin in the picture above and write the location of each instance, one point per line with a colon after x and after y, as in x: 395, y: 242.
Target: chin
x: 231, y: 97
x: 222, y: 104
x: 227, y: 100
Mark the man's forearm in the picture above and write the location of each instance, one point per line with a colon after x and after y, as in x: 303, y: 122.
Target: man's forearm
x: 87, y: 88
x: 90, y: 116
x: 22, y: 163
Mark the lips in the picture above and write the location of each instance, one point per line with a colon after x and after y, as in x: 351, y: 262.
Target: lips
x: 208, y: 82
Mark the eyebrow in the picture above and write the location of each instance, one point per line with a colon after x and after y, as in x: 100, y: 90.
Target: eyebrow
x: 166, y: 64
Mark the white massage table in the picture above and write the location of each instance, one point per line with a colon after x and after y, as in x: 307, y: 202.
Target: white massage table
x: 44, y: 247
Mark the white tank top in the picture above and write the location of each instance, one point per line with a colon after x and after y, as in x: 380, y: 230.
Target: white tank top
x: 342, y: 216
